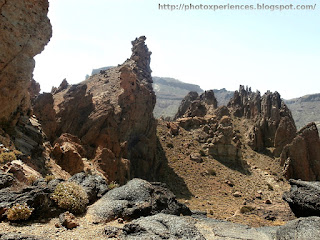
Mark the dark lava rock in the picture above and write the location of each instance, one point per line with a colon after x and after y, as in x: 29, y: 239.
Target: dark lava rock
x: 94, y: 185
x: 303, y: 198
x: 161, y: 226
x: 135, y: 199
x: 35, y: 197
x: 14, y: 236
x: 301, y: 228
x: 6, y: 180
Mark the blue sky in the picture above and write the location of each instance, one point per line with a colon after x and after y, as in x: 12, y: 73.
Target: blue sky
x: 267, y: 50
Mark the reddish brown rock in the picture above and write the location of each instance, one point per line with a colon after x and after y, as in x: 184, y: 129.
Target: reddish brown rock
x: 34, y: 89
x: 22, y: 172
x: 245, y: 103
x: 222, y: 145
x: 68, y: 153
x: 111, y: 113
x: 68, y: 220
x: 273, y: 123
x: 173, y: 128
x: 185, y: 104
x: 24, y: 31
x: 301, y: 158
x: 285, y: 133
x: 197, y: 106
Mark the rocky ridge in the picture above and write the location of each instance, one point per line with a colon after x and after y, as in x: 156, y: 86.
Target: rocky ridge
x: 110, y: 115
x: 25, y: 30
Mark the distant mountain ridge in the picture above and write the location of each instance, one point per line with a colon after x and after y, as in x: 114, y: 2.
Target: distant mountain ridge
x: 170, y: 92
x: 305, y: 109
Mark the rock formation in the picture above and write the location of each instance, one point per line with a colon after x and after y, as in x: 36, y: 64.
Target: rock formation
x: 111, y: 114
x: 135, y: 199
x: 212, y: 126
x: 301, y: 158
x: 24, y: 31
x: 193, y: 105
x: 273, y: 123
x: 303, y: 198
x: 224, y: 143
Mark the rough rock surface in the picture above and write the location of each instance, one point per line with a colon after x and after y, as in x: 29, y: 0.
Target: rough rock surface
x: 111, y: 113
x: 193, y: 105
x: 301, y: 158
x: 94, y: 185
x: 24, y: 31
x: 301, y: 228
x: 34, y: 196
x: 6, y: 180
x: 185, y: 103
x: 216, y: 133
x: 273, y: 123
x: 43, y: 108
x: 67, y: 152
x: 303, y: 198
x: 135, y: 199
x: 20, y: 171
x: 164, y: 226
x: 161, y: 226
x: 223, y: 144
x: 16, y: 236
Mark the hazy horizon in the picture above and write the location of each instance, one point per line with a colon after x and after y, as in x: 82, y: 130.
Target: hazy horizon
x: 265, y: 50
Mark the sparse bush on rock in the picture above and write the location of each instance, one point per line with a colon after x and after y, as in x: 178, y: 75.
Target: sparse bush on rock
x: 7, y: 157
x: 70, y: 196
x: 19, y: 212
x: 49, y: 178
x: 113, y: 185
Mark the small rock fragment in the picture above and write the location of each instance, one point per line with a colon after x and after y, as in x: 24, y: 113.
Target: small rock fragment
x: 68, y: 220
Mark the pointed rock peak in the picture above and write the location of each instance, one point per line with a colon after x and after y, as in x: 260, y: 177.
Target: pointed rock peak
x: 141, y: 53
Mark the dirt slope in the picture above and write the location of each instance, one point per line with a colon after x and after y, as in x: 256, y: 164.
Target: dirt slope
x: 212, y: 186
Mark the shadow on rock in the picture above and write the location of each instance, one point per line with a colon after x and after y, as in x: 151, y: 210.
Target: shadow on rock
x: 167, y: 175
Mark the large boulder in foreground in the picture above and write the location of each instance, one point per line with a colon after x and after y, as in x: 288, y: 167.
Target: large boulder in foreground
x: 160, y: 226
x: 303, y: 198
x: 301, y: 158
x: 301, y: 228
x: 94, y: 185
x: 135, y: 199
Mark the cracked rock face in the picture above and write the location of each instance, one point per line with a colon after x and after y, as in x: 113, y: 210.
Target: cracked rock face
x: 301, y: 158
x: 273, y: 122
x: 24, y: 31
x: 193, y: 105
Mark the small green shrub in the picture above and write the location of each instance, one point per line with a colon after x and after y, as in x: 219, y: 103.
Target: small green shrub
x: 50, y: 178
x: 7, y: 157
x: 113, y: 185
x: 31, y: 179
x: 212, y: 172
x: 70, y: 196
x: 19, y: 212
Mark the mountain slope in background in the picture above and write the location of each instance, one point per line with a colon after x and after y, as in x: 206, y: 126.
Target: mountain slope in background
x: 223, y: 96
x: 170, y: 92
x: 305, y: 109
